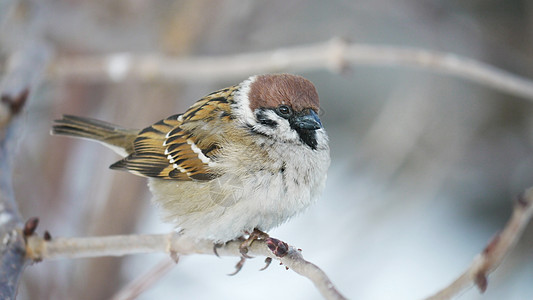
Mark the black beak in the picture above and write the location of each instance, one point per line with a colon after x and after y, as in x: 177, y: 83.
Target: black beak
x: 309, y: 121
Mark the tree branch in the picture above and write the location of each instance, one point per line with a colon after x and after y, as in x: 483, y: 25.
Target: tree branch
x: 491, y: 257
x: 23, y: 72
x: 60, y: 248
x: 12, y: 259
x: 335, y: 55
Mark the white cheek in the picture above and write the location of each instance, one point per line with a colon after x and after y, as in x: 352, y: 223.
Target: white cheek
x: 285, y: 132
x: 282, y: 131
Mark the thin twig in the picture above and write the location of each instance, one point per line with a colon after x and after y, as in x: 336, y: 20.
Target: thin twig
x: 335, y: 55
x: 61, y: 248
x: 491, y: 257
x: 144, y: 282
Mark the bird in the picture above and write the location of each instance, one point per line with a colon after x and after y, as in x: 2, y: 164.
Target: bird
x: 240, y: 161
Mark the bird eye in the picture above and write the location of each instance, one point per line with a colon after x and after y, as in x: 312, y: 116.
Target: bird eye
x: 284, y: 111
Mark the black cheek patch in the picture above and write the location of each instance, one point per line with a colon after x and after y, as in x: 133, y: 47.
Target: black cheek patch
x: 264, y: 120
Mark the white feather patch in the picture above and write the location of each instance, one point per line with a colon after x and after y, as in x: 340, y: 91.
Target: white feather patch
x: 170, y: 159
x: 199, y: 152
x: 180, y: 168
x: 242, y: 107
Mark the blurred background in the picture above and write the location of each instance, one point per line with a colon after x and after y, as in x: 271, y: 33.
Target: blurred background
x: 424, y: 166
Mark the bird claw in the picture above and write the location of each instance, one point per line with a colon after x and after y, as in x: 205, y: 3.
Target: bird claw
x: 238, y: 266
x: 247, y: 243
x: 215, y: 247
x: 268, y: 260
x: 244, y: 246
x: 244, y: 251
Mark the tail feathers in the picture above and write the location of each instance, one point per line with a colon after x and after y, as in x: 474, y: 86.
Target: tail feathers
x: 117, y: 138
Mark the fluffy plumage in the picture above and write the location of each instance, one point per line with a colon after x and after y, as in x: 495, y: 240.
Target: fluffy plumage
x: 248, y: 156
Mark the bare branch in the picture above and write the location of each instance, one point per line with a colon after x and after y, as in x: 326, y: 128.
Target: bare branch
x: 144, y: 282
x: 491, y: 257
x: 335, y: 55
x: 12, y: 259
x: 23, y: 72
x: 60, y: 248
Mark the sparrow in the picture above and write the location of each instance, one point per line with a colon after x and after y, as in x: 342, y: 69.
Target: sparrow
x: 241, y: 160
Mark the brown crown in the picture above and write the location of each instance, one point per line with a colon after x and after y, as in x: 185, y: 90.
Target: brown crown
x: 272, y: 90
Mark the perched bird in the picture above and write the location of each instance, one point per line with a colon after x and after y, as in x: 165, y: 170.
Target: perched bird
x: 240, y: 160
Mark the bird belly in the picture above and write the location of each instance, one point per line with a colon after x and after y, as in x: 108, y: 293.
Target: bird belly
x: 226, y: 207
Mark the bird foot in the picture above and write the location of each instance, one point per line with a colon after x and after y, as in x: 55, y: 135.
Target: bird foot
x: 247, y: 243
x: 243, y: 248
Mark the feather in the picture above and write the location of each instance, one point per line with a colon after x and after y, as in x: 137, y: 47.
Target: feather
x: 182, y: 147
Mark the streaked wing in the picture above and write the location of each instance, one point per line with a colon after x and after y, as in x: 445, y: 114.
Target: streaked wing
x: 182, y: 147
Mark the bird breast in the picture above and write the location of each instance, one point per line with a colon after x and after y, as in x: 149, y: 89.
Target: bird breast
x: 261, y: 186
